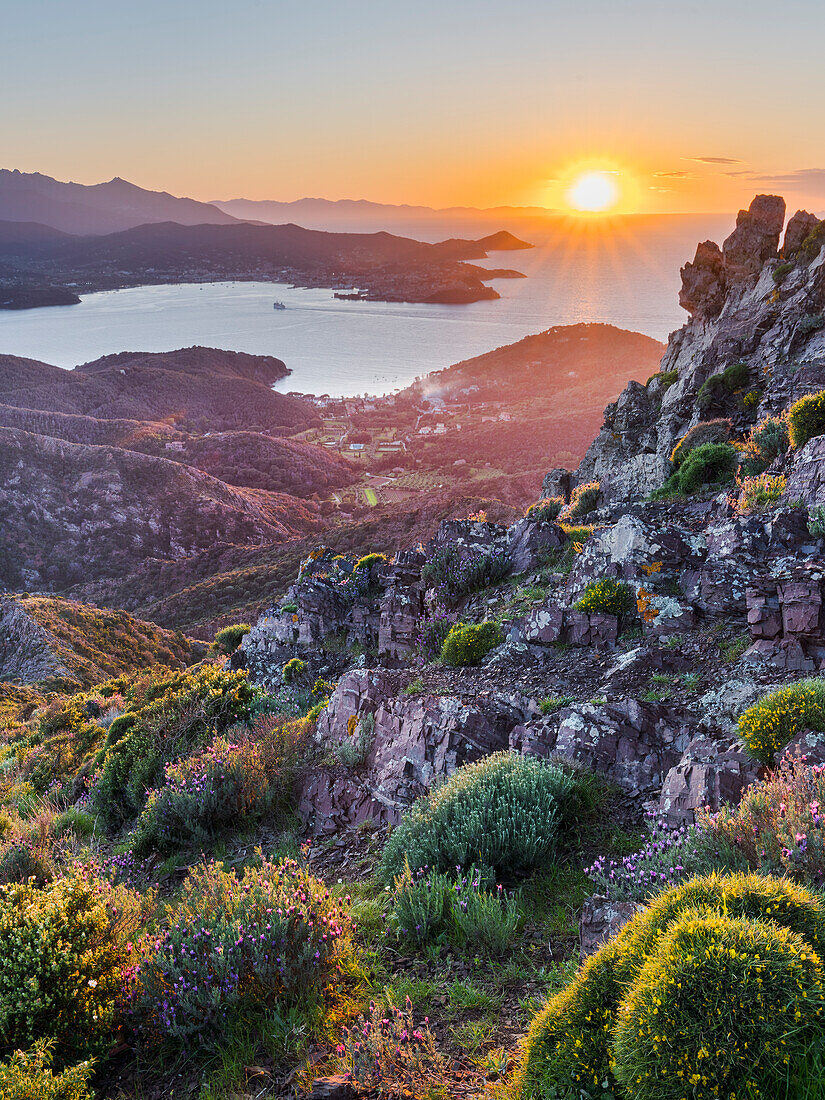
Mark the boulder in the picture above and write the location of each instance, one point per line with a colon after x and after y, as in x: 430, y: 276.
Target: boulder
x: 557, y: 483
x: 797, y: 229
x: 711, y: 772
x: 530, y: 542
x: 601, y: 919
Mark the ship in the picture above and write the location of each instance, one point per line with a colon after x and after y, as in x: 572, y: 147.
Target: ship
x: 278, y: 305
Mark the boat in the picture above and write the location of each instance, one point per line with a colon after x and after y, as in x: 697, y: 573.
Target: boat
x: 278, y: 305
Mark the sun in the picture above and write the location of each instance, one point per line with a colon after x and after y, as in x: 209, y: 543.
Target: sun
x: 593, y: 192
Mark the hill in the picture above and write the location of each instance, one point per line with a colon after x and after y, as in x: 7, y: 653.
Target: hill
x: 73, y: 512
x: 99, y: 208
x: 195, y: 387
x: 56, y: 642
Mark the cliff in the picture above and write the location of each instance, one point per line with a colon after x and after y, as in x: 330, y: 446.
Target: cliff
x: 750, y: 303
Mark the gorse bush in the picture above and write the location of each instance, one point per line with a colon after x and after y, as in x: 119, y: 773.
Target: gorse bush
x: 175, y: 716
x: 507, y: 814
x: 454, y: 573
x: 768, y: 726
x: 708, y: 431
x: 571, y: 1049
x: 222, y: 787
x: 778, y: 827
x: 227, y: 640
x: 268, y: 939
x: 294, y: 671
x: 371, y: 561
x: 27, y: 1075
x: 806, y: 419
x: 546, y: 510
x: 607, y: 596
x: 724, y: 1005
x: 64, y: 949
x: 467, y: 645
x: 757, y: 494
x: 583, y: 500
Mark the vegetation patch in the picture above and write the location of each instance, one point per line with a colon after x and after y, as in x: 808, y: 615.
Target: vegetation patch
x: 806, y: 419
x: 768, y: 726
x: 469, y: 644
x: 607, y: 597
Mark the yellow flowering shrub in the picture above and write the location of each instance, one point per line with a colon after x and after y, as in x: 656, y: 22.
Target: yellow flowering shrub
x: 608, y: 597
x: 64, y: 949
x: 725, y: 1006
x: 570, y: 1048
x: 806, y: 418
x: 768, y: 726
x: 27, y: 1075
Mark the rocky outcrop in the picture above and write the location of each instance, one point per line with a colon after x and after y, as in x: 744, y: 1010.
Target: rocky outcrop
x: 601, y: 919
x: 806, y: 478
x: 712, y: 771
x: 28, y: 653
x: 787, y: 620
x: 739, y: 313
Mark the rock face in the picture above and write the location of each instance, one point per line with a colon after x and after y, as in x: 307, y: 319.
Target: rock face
x: 601, y: 919
x: 27, y: 651
x: 787, y: 621
x: 739, y: 313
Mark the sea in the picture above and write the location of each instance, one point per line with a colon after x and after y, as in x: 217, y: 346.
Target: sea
x: 628, y: 276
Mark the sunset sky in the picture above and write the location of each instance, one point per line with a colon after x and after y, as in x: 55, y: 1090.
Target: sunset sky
x: 689, y: 106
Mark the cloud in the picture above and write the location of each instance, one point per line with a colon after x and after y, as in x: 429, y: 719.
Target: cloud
x: 674, y: 175
x: 803, y: 178
x: 715, y: 160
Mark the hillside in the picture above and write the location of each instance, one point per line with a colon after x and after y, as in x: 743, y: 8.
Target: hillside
x: 74, y: 512
x: 53, y: 642
x: 199, y: 388
x: 100, y: 208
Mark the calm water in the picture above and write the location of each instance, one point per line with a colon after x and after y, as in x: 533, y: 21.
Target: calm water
x: 345, y: 348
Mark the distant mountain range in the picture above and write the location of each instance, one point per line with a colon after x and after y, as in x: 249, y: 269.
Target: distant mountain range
x: 100, y: 208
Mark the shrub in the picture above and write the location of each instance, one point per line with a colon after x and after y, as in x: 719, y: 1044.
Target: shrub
x: 268, y: 939
x: 506, y: 814
x: 671, y: 854
x: 765, y: 442
x: 777, y: 828
x: 723, y: 1006
x: 294, y: 671
x: 369, y: 561
x: 708, y: 464
x: 757, y: 494
x: 781, y: 270
x: 221, y: 787
x: 553, y: 703
x: 708, y: 431
x: 569, y: 1047
x: 227, y: 640
x: 467, y: 645
x: 26, y: 860
x: 175, y: 716
x: 806, y: 419
x: 27, y: 1075
x: 768, y: 726
x: 120, y: 726
x: 353, y: 752
x: 546, y: 510
x: 608, y: 597
x: 391, y: 1055
x: 431, y: 631
x: 456, y: 574
x: 719, y: 386
x: 583, y: 500
x: 665, y: 378
x: 428, y: 905
x: 64, y: 949
x: 816, y: 521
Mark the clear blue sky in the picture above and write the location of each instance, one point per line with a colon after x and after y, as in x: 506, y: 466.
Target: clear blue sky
x: 435, y: 102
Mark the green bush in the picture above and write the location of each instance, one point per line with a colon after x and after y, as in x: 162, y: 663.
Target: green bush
x: 607, y: 596
x: 294, y: 670
x: 719, y: 386
x: 570, y: 1045
x: 270, y: 940
x: 723, y: 1006
x: 63, y: 951
x: 806, y: 419
x: 220, y: 788
x: 768, y: 726
x: 27, y: 1075
x: 467, y: 645
x: 665, y: 377
x: 781, y: 270
x: 227, y: 640
x: 546, y: 510
x: 120, y: 726
x: 176, y: 715
x: 708, y: 431
x: 507, y: 814
x: 708, y: 464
